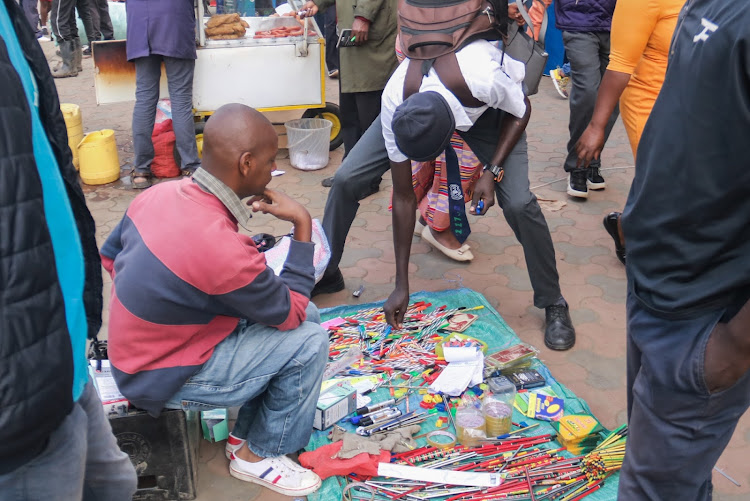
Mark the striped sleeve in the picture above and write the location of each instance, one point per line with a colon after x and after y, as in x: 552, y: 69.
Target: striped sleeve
x: 276, y: 301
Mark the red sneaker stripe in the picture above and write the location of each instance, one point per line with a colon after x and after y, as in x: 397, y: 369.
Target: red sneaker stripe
x: 276, y: 479
x: 234, y: 440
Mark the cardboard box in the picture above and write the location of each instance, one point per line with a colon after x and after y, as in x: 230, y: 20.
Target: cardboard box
x: 215, y: 424
x: 114, y: 403
x: 334, y: 404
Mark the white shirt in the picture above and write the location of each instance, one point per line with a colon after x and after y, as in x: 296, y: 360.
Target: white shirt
x: 498, y: 86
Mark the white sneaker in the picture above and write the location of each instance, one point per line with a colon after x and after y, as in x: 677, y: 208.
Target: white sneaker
x: 233, y: 444
x: 280, y: 474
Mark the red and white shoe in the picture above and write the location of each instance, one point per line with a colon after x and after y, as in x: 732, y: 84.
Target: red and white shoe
x: 280, y: 474
x: 233, y: 444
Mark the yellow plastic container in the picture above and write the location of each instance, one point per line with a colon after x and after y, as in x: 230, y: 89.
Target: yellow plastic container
x: 199, y: 143
x: 72, y: 115
x: 98, y: 155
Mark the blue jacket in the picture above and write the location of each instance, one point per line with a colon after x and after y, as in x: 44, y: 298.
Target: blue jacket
x: 584, y: 15
x: 160, y: 27
x: 39, y: 356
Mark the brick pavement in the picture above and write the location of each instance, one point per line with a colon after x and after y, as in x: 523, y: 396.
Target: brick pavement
x: 592, y: 279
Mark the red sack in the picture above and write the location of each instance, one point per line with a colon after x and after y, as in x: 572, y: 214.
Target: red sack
x: 163, y: 138
x: 322, y: 462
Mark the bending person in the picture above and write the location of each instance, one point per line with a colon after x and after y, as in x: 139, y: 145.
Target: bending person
x: 498, y: 141
x: 641, y: 35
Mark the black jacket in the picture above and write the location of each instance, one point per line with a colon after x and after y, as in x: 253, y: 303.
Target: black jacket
x: 36, y: 363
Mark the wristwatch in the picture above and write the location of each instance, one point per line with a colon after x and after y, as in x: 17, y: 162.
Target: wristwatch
x: 497, y: 171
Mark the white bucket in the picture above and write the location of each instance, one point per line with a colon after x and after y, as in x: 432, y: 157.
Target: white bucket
x: 308, y: 140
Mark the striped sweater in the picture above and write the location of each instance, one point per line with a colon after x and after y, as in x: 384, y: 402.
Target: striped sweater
x: 183, y: 276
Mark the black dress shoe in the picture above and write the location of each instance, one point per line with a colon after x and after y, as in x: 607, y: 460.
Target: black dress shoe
x: 610, y: 224
x: 559, y: 333
x: 330, y: 283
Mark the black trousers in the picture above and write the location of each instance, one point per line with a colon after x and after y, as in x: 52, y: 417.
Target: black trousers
x: 358, y: 111
x: 63, y: 18
x: 101, y: 21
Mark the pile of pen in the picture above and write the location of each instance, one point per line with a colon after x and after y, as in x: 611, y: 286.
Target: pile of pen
x: 377, y: 341
x: 529, y: 471
x: 608, y: 456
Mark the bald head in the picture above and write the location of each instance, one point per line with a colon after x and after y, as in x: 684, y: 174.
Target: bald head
x: 235, y: 136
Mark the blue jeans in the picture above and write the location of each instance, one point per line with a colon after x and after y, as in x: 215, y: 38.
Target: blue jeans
x: 180, y: 84
x: 81, y: 461
x: 274, y: 375
x: 677, y: 428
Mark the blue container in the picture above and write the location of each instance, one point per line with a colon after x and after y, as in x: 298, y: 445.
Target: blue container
x: 245, y: 8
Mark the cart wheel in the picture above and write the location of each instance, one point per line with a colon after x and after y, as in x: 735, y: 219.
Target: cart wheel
x: 330, y: 112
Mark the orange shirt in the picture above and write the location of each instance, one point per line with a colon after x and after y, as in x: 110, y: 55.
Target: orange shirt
x: 641, y: 35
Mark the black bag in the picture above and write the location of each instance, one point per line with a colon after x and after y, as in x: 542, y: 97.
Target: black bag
x: 525, y: 49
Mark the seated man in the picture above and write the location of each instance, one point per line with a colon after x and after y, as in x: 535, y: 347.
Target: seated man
x: 427, y: 121
x: 197, y: 319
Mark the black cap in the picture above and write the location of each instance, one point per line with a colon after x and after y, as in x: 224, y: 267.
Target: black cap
x: 423, y: 125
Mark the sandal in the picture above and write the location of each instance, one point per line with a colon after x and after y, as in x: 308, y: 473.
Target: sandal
x: 461, y: 254
x: 187, y: 172
x: 140, y: 181
x: 419, y: 227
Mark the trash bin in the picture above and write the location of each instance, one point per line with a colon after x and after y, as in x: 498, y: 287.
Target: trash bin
x: 308, y: 140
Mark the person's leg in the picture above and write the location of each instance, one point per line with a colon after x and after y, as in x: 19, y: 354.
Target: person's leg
x: 280, y: 370
x: 586, y: 75
x: 677, y: 430
x: 44, y: 8
x: 180, y: 83
x: 110, y: 475
x: 63, y: 20
x: 332, y: 51
x: 368, y: 109
x: 57, y: 472
x: 353, y: 181
x: 32, y: 15
x: 105, y: 23
x: 83, y: 7
x: 147, y: 76
x: 350, y: 132
x: 95, y: 20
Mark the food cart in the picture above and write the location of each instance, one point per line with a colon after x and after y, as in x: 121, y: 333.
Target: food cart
x: 269, y: 73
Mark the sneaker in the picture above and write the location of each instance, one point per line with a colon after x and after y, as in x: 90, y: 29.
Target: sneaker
x: 333, y: 74
x: 329, y: 283
x: 561, y: 82
x: 594, y: 179
x: 87, y: 51
x: 559, y: 334
x: 280, y: 474
x: 44, y: 38
x: 578, y: 183
x: 233, y: 444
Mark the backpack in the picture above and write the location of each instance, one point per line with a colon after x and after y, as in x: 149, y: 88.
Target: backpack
x: 431, y: 31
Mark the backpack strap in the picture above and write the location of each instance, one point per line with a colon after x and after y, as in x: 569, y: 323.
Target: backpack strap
x: 448, y: 72
x: 413, y: 78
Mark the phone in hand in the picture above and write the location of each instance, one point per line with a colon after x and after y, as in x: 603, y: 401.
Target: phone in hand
x: 346, y: 39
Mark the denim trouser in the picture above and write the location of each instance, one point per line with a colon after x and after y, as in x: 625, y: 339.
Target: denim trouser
x: 588, y: 54
x: 677, y: 429
x: 274, y: 375
x: 368, y: 161
x: 180, y: 83
x: 81, y: 461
